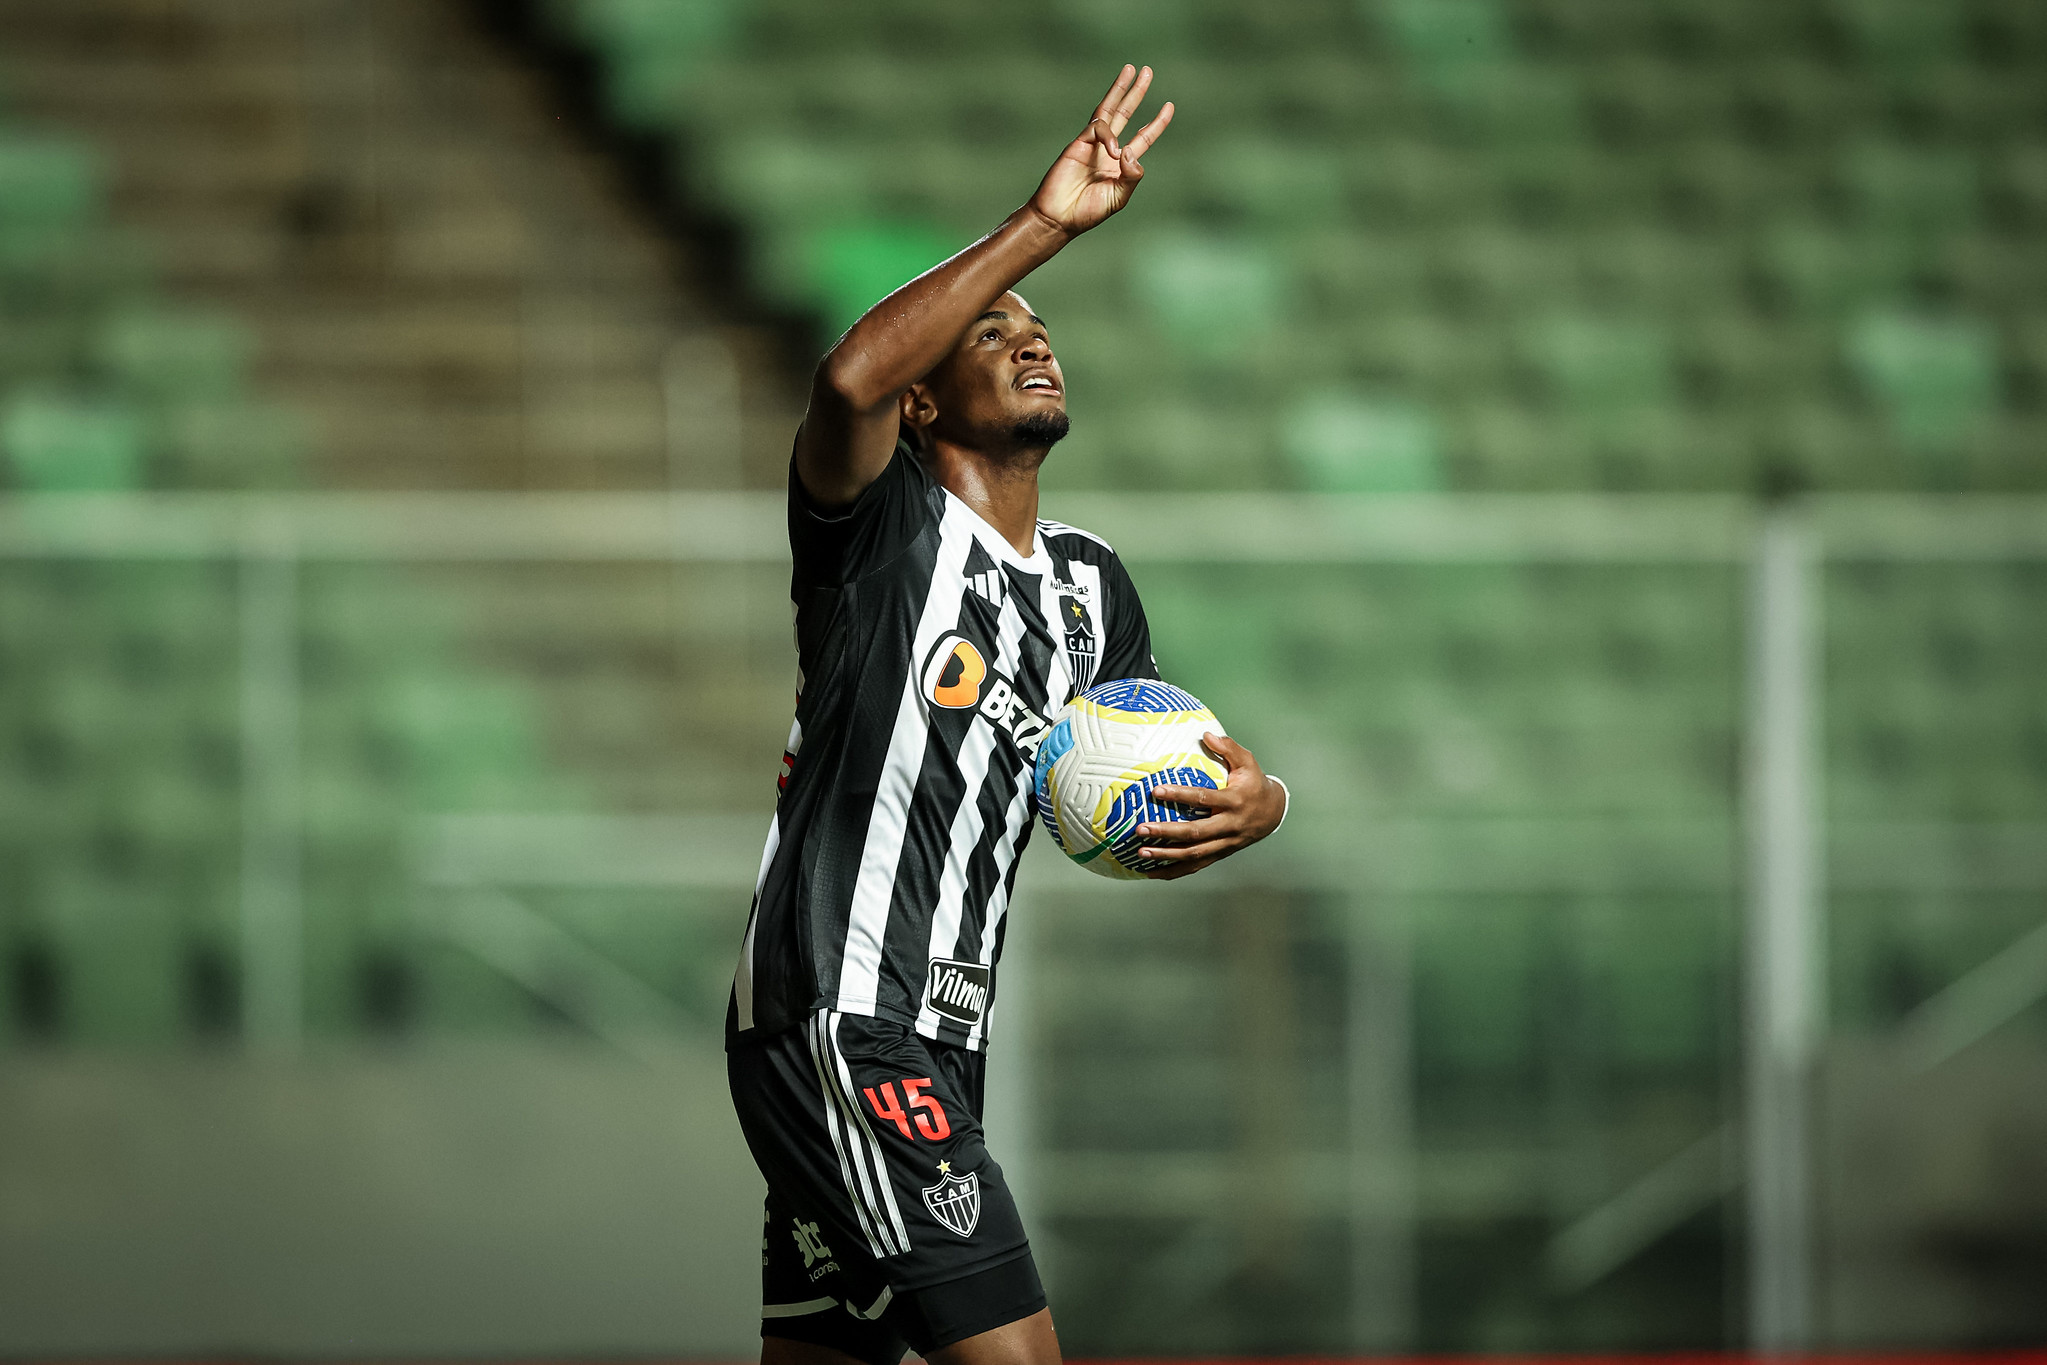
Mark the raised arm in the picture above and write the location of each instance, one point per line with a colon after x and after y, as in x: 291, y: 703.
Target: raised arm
x: 850, y: 430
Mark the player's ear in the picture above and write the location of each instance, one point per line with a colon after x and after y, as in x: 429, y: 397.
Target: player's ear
x: 918, y: 411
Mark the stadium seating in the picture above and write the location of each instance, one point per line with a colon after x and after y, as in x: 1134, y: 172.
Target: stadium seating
x: 123, y: 787
x: 1470, y: 245
x: 1789, y: 172
x: 1388, y: 247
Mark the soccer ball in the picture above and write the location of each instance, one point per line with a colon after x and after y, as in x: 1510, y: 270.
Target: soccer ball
x: 1114, y: 743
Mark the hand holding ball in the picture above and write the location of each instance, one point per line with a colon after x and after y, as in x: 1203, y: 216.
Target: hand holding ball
x: 1111, y: 746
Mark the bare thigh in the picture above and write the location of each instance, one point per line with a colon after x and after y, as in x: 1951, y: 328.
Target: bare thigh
x: 1027, y: 1341
x: 782, y: 1351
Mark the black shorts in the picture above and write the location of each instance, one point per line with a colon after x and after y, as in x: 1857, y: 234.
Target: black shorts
x: 887, y: 1224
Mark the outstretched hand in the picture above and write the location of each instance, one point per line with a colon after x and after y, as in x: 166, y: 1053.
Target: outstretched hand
x: 1095, y: 175
x: 1249, y: 807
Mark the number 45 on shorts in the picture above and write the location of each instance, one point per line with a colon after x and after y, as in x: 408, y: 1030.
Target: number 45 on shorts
x: 932, y: 1125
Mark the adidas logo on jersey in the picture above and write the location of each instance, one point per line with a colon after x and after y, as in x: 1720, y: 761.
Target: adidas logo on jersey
x: 990, y: 585
x: 957, y: 990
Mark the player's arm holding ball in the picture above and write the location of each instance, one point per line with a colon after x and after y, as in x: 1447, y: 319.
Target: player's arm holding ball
x: 850, y: 430
x: 1249, y: 807
x: 1251, y: 803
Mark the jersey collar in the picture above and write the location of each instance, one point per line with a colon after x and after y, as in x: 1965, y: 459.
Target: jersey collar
x: 996, y: 544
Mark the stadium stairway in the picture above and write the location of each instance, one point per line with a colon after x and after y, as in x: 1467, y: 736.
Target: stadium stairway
x: 433, y: 270
x: 342, y: 246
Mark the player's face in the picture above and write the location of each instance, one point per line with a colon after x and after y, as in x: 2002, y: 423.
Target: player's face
x: 1000, y: 377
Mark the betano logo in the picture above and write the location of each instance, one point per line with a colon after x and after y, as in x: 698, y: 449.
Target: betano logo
x: 953, y: 677
x: 957, y: 677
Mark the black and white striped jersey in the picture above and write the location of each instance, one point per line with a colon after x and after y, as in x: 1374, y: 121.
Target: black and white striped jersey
x: 932, y: 657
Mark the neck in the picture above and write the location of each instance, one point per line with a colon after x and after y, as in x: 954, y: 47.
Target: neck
x: 1002, y: 490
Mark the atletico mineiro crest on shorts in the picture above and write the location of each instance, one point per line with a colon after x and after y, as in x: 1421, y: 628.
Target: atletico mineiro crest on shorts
x: 955, y: 1200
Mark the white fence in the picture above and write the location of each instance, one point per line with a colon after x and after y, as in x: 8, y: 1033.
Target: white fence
x: 1784, y: 547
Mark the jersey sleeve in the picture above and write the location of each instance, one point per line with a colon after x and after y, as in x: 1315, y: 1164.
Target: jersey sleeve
x: 1126, y: 639
x: 838, y: 547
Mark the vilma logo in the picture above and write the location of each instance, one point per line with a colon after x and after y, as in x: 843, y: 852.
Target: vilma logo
x: 955, y: 1200
x: 952, y: 677
x: 957, y: 990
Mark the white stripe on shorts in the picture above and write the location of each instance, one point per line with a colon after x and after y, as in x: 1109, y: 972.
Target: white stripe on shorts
x: 835, y: 1115
x: 888, y: 1194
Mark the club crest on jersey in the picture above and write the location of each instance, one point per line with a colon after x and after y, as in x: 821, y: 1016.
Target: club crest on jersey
x: 1079, y: 624
x: 957, y: 677
x: 955, y: 1200
x: 957, y: 990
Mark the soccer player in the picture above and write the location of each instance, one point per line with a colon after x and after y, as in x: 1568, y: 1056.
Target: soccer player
x: 939, y: 625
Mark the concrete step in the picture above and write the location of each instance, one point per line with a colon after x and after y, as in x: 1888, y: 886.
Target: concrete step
x: 460, y: 344
x: 425, y: 434
x: 451, y: 288
x: 95, y: 31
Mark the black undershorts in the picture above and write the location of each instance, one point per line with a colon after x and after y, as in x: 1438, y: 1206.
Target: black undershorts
x: 888, y: 1226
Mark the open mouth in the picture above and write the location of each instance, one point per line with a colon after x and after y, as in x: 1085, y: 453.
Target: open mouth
x: 1039, y: 383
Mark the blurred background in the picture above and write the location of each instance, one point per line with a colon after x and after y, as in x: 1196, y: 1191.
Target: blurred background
x: 1592, y: 448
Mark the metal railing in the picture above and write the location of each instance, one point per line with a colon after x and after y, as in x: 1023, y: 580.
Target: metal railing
x: 1783, y: 547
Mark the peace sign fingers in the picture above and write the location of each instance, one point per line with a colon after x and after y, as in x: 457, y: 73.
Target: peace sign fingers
x: 1139, y: 145
x: 1124, y: 97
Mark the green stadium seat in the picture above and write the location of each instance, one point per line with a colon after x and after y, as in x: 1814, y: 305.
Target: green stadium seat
x: 1143, y: 30
x: 1598, y: 366
x: 49, y: 188
x: 789, y: 181
x: 655, y: 46
x: 121, y: 947
x: 2020, y: 182
x: 1659, y: 272
x: 1346, y: 441
x: 1899, y: 189
x: 1213, y: 296
x: 1516, y: 103
x: 1345, y: 273
x: 1895, y: 35
x: 472, y: 741
x: 848, y: 269
x: 1819, y: 271
x: 347, y: 801
x: 1786, y: 105
x: 36, y: 349
x: 1501, y: 444
x: 1258, y: 182
x: 1402, y: 180
x: 1187, y: 447
x: 62, y: 443
x: 176, y: 358
x: 1936, y: 377
x: 1476, y: 1012
x: 191, y: 608
x: 232, y: 444
x: 1452, y: 44
x: 1490, y: 272
x: 1661, y: 1013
